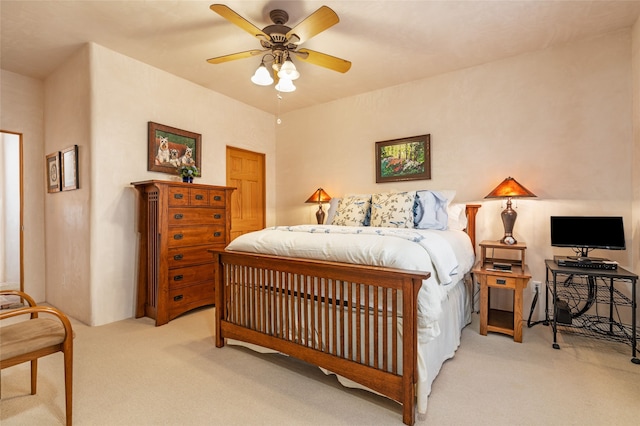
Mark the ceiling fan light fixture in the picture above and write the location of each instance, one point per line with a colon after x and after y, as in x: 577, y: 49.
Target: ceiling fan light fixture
x: 277, y: 62
x: 281, y: 41
x: 288, y: 70
x: 285, y: 85
x: 262, y: 77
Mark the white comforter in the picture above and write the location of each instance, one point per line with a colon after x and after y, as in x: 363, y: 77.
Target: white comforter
x: 447, y: 255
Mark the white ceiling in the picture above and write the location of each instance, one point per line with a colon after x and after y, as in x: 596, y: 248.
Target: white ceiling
x: 388, y: 42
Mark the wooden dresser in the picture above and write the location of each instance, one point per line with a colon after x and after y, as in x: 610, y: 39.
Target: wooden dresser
x: 178, y: 223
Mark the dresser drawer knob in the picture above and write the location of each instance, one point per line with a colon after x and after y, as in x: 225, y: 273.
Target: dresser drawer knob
x: 178, y: 298
x: 199, y: 197
x: 177, y: 236
x: 177, y: 257
x: 217, y: 216
x: 217, y: 234
x: 178, y: 277
x: 501, y: 281
x: 217, y: 197
x: 178, y: 196
x: 178, y: 216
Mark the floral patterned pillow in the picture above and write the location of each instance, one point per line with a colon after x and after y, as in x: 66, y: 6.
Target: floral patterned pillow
x: 393, y: 209
x: 352, y: 211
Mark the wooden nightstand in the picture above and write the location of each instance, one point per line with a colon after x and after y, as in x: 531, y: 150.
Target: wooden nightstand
x: 515, y: 280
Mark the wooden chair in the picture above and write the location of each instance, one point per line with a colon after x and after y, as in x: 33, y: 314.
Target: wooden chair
x: 36, y: 337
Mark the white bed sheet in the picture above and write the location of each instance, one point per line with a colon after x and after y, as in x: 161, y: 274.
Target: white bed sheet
x: 447, y: 255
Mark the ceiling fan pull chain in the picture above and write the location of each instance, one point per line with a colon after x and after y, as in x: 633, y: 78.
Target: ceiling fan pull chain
x: 278, y: 120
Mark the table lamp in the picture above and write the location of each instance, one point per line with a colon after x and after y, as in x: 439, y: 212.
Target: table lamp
x: 509, y: 188
x: 319, y: 196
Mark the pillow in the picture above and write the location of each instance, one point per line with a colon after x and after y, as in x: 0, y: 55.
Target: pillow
x: 449, y: 194
x: 367, y: 219
x: 457, y: 217
x: 431, y: 210
x: 393, y: 210
x: 352, y: 211
x: 333, y: 205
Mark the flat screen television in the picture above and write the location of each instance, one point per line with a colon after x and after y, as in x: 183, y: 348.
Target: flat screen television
x: 585, y: 233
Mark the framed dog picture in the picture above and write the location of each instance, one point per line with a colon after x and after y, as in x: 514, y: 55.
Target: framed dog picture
x: 170, y: 148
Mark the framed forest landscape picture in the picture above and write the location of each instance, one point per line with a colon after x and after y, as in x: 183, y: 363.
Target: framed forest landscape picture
x: 403, y: 159
x: 169, y: 148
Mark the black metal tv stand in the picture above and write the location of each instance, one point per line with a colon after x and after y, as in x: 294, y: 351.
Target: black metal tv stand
x: 586, y: 293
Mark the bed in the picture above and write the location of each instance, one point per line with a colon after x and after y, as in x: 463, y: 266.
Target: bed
x: 379, y: 305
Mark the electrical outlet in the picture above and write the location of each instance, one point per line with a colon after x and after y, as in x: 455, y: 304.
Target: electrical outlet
x: 536, y: 286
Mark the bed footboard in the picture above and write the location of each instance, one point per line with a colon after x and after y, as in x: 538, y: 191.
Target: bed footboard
x: 357, y: 321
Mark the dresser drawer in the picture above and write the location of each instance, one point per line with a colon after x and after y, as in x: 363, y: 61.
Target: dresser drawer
x: 183, y: 256
x: 186, y: 298
x: 195, y: 216
x: 196, y: 235
x: 504, y: 282
x: 181, y: 277
x: 217, y: 198
x: 178, y: 196
x: 183, y: 196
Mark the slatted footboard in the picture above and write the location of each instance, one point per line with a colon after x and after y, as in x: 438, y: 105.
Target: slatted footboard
x: 357, y: 321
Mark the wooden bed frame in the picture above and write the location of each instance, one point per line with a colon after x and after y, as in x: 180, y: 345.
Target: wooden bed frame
x: 338, y: 316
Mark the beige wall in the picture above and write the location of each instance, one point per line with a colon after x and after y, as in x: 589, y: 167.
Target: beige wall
x: 558, y: 120
x: 126, y: 94
x: 22, y: 111
x: 101, y: 101
x: 67, y: 228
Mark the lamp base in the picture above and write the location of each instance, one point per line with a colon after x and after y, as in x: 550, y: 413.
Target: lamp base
x: 320, y: 215
x: 508, y: 220
x: 508, y: 240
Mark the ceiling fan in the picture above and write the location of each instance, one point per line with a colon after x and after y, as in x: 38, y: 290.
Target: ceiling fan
x: 280, y: 42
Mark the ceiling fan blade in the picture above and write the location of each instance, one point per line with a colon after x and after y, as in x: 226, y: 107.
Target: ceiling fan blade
x: 238, y: 20
x: 313, y: 24
x: 323, y: 60
x: 234, y: 56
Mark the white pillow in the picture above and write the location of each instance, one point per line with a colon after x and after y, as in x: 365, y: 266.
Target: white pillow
x: 431, y: 210
x: 449, y: 194
x: 457, y: 217
x: 393, y: 210
x: 352, y: 211
x: 333, y: 206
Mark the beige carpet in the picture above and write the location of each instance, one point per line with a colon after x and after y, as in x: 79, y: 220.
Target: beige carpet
x: 132, y: 373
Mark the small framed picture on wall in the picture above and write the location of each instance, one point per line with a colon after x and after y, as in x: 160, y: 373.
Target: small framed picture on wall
x: 69, y: 159
x: 53, y: 172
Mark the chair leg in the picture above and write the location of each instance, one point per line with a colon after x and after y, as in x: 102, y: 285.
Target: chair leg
x: 34, y: 376
x: 68, y: 384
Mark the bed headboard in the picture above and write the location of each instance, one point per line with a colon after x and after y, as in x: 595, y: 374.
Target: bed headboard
x: 471, y: 211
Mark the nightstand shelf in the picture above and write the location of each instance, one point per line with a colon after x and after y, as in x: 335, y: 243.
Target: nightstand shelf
x: 518, y: 250
x: 500, y: 321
